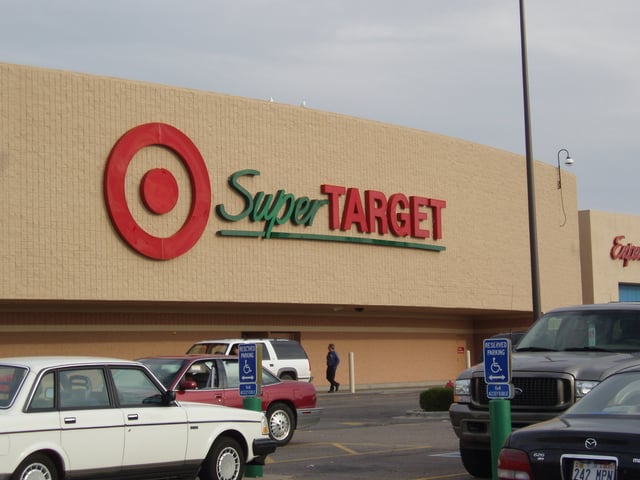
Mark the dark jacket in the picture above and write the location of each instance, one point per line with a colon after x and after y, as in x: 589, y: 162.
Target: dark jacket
x: 332, y: 359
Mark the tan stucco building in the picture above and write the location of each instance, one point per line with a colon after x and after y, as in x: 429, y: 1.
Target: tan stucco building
x: 133, y: 224
x: 610, y: 250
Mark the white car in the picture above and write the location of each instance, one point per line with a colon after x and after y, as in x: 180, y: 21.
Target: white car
x: 284, y: 357
x: 89, y: 417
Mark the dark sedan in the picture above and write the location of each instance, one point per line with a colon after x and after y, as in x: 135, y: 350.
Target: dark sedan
x: 214, y: 379
x: 597, y: 439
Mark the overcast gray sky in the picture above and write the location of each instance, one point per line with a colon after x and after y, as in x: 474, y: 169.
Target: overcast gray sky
x: 448, y: 66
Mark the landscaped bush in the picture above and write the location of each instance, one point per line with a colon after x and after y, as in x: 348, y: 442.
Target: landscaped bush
x: 437, y: 399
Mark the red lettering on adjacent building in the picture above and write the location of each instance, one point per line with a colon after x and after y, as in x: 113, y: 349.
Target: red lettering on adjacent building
x: 623, y: 252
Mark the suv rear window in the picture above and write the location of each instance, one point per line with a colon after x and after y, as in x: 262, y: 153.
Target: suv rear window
x: 289, y: 350
x: 212, y: 348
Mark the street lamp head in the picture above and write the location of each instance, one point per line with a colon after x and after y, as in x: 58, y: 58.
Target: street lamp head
x: 567, y: 161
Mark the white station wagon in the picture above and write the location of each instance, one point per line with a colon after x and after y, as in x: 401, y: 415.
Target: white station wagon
x: 102, y: 418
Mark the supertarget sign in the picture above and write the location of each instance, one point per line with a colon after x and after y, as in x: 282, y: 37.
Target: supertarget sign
x: 371, y: 213
x: 158, y: 189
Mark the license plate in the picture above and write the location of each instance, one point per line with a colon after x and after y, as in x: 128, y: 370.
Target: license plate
x: 593, y: 470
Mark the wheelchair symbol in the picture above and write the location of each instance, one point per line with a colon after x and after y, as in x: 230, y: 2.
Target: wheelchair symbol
x: 495, y: 366
x: 246, y: 369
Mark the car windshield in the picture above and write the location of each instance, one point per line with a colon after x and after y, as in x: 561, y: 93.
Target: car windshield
x: 10, y: 380
x: 165, y: 369
x: 617, y: 395
x: 587, y: 330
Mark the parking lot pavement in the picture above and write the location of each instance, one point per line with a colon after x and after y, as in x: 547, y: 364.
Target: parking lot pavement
x: 414, y: 450
x: 375, y: 434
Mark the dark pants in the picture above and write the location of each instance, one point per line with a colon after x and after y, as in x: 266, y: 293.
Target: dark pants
x: 331, y: 377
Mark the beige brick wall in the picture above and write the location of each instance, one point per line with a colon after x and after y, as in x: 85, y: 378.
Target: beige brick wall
x: 69, y: 283
x: 56, y: 132
x: 384, y: 350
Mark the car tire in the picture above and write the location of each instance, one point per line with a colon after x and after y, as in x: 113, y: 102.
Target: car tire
x: 287, y: 376
x: 225, y: 461
x: 37, y: 466
x: 476, y: 461
x: 282, y: 423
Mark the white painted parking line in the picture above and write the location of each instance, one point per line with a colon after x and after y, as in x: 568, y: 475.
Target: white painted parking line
x: 447, y: 455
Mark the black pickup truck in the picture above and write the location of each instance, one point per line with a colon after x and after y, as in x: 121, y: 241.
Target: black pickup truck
x: 565, y: 354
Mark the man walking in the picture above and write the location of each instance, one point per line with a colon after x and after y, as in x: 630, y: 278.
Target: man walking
x: 332, y: 364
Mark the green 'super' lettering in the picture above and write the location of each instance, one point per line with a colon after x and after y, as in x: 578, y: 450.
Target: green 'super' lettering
x: 271, y: 209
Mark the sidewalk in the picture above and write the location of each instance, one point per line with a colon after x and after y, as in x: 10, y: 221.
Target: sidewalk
x: 373, y: 389
x: 392, y: 390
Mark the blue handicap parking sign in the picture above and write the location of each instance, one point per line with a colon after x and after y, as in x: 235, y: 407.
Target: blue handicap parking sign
x: 249, y: 369
x: 497, y: 360
x: 247, y: 363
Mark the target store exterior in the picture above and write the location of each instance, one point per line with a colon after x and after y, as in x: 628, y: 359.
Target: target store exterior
x: 139, y: 218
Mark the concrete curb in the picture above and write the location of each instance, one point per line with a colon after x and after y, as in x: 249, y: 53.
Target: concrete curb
x: 422, y: 413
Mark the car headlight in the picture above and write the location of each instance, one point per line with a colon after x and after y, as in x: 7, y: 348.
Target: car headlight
x: 265, y: 426
x: 583, y: 387
x: 462, y: 391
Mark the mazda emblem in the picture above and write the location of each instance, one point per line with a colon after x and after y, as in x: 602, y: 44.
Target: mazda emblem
x: 590, y: 443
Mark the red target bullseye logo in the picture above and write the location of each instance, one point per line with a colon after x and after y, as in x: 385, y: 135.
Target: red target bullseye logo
x: 158, y: 189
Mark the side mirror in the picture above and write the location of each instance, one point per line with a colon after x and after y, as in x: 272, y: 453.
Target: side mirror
x: 188, y: 385
x: 168, y: 397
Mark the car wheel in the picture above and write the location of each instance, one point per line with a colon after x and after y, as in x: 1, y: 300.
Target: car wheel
x: 476, y: 461
x: 224, y: 462
x: 282, y: 423
x: 287, y: 376
x: 36, y: 467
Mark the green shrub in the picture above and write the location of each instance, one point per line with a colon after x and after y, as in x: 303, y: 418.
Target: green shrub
x: 437, y: 399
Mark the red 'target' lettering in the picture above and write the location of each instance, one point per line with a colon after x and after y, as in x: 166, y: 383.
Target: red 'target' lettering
x: 401, y: 215
x: 334, y: 193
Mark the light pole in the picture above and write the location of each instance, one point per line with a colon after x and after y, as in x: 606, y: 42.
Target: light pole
x: 531, y: 197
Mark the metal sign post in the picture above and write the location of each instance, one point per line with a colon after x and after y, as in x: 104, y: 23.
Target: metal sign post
x: 497, y: 376
x: 250, y: 376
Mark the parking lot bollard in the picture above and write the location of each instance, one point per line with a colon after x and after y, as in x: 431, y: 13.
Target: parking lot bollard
x: 500, y: 422
x: 253, y: 403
